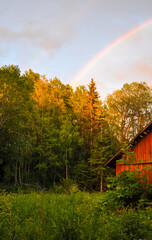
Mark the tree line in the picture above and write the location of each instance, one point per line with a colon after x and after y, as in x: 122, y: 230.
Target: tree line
x: 51, y: 133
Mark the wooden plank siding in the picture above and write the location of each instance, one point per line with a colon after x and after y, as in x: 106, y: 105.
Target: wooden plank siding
x: 143, y: 154
x: 143, y: 149
x: 145, y: 167
x: 141, y: 145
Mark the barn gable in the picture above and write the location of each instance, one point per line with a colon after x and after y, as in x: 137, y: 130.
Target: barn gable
x: 141, y: 145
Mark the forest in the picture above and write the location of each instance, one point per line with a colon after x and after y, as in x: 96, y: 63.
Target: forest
x: 52, y: 134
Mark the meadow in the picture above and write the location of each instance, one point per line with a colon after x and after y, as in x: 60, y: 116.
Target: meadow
x: 79, y: 215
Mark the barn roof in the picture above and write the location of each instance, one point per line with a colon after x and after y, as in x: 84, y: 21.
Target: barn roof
x: 136, y: 139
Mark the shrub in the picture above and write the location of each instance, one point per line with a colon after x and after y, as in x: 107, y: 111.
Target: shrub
x: 66, y: 187
x: 126, y: 189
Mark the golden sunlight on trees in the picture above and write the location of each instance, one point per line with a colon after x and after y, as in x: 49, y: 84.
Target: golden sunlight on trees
x: 51, y: 134
x: 129, y: 109
x: 94, y: 111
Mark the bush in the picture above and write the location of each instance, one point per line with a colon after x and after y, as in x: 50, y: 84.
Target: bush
x: 66, y: 187
x: 126, y: 189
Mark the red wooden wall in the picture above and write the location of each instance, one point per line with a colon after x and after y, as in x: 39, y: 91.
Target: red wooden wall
x: 143, y: 152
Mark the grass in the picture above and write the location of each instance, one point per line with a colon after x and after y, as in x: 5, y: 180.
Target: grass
x: 45, y: 216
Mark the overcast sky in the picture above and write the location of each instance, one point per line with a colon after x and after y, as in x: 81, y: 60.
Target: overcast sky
x: 60, y: 37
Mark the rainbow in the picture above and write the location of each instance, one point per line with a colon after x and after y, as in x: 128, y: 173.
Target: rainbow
x: 95, y: 59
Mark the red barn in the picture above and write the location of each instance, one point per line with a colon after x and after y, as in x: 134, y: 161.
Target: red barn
x: 141, y: 145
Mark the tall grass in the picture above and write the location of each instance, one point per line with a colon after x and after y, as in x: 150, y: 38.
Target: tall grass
x: 77, y: 216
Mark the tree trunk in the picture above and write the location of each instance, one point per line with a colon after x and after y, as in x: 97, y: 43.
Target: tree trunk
x: 66, y: 165
x: 101, y: 183
x: 16, y: 173
x: 28, y: 171
x: 19, y: 172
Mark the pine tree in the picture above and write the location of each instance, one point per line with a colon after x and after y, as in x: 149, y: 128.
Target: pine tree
x: 94, y: 111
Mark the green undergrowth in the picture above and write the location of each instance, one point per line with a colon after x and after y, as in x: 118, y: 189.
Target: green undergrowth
x: 44, y: 216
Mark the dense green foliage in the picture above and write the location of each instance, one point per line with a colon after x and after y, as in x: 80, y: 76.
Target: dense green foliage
x: 51, y: 134
x: 58, y: 139
x: 127, y: 190
x: 75, y: 216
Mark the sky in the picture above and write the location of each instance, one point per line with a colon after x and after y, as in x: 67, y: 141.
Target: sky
x: 62, y: 38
